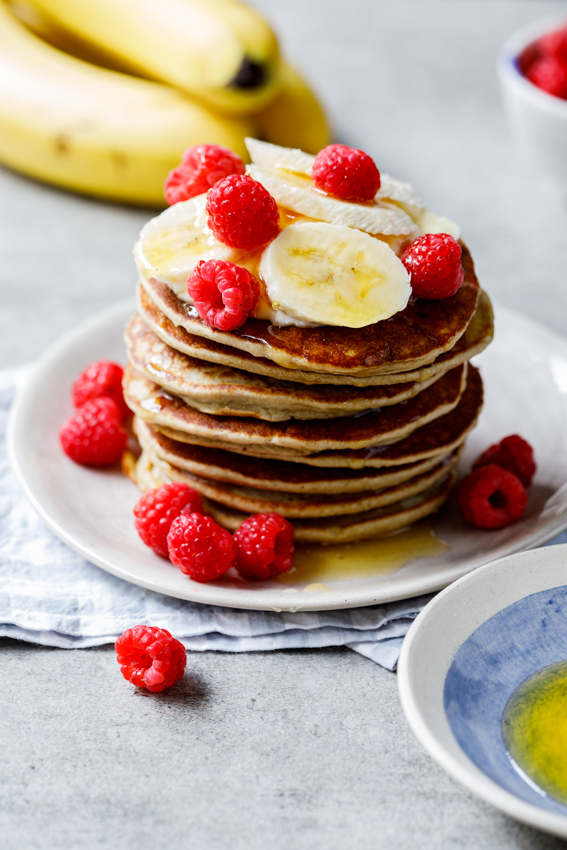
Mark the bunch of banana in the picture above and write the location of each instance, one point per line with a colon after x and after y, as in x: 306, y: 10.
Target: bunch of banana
x: 102, y: 96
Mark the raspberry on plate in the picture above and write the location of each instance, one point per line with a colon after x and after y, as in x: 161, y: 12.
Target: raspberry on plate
x: 242, y: 214
x: 264, y: 546
x: 223, y: 293
x: 512, y: 453
x: 94, y: 435
x: 549, y: 74
x: 434, y: 263
x: 150, y: 657
x: 101, y: 378
x: 200, y: 548
x: 155, y: 511
x: 201, y: 167
x: 491, y: 497
x: 346, y: 173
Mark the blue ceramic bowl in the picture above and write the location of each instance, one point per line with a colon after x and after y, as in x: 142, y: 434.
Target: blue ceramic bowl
x: 463, y: 658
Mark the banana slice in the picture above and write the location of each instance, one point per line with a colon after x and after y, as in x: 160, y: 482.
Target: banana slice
x: 274, y: 156
x: 333, y: 275
x: 430, y: 222
x: 171, y: 245
x: 295, y: 191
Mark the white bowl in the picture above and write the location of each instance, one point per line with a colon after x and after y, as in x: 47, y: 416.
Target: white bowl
x: 538, y: 119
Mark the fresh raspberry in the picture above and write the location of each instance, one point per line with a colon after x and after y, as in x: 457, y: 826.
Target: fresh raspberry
x: 223, y: 293
x: 200, y: 548
x: 346, y: 172
x: 94, y: 435
x: 150, y: 658
x: 554, y: 44
x: 98, y: 379
x: 242, y: 214
x: 491, y: 497
x: 434, y: 263
x: 201, y: 167
x: 549, y: 74
x: 512, y: 453
x: 264, y: 546
x: 155, y: 511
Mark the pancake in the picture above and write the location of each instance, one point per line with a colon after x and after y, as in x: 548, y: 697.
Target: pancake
x: 300, y: 437
x: 477, y: 336
x: 329, y: 530
x: 299, y: 506
x: 231, y: 468
x: 412, y: 338
x: 223, y: 390
x: 439, y: 437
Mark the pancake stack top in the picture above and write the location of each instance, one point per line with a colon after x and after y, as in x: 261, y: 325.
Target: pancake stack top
x: 348, y: 431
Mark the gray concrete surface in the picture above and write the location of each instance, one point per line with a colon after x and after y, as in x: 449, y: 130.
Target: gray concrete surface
x: 292, y: 749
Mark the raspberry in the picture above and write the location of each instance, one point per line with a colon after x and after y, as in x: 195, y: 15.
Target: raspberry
x: 99, y: 379
x: 200, y: 548
x: 491, y: 497
x: 94, y: 435
x: 346, y: 172
x: 150, y: 658
x: 264, y: 546
x: 155, y: 511
x: 554, y: 44
x: 549, y: 74
x: 242, y: 214
x: 223, y: 293
x: 434, y: 263
x: 201, y: 167
x: 512, y: 453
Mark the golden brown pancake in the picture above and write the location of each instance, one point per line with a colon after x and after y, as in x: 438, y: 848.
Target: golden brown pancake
x: 477, y: 336
x: 327, y: 530
x: 231, y: 468
x: 223, y: 390
x: 302, y: 437
x: 412, y: 338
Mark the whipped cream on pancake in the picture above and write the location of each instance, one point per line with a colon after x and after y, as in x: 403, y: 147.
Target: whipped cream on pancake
x: 343, y: 269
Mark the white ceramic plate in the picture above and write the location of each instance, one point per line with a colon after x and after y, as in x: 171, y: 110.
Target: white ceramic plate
x: 525, y: 374
x: 465, y: 655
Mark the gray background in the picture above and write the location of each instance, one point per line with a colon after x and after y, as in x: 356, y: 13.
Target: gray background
x: 301, y: 749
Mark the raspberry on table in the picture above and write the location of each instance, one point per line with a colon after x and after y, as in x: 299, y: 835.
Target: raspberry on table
x: 201, y: 167
x: 264, y: 546
x: 223, y: 293
x: 549, y: 74
x: 434, y: 263
x: 346, y: 173
x: 512, y: 453
x: 200, y: 548
x: 94, y: 435
x: 242, y: 213
x: 155, y: 511
x: 150, y: 657
x: 99, y: 379
x: 491, y: 497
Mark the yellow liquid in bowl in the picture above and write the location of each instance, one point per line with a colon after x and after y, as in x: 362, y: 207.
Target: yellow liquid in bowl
x: 534, y: 728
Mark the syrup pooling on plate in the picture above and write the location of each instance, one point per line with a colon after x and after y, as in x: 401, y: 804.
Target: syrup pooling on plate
x: 377, y: 556
x: 534, y: 728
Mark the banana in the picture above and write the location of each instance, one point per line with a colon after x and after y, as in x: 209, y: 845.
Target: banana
x: 171, y: 245
x: 295, y: 192
x: 218, y: 51
x: 94, y: 130
x: 295, y: 118
x: 333, y: 275
x: 293, y: 167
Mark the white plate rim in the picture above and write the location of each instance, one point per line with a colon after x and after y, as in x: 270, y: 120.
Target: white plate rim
x: 394, y: 589
x: 460, y: 767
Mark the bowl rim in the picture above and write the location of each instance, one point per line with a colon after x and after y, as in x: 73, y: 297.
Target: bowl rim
x: 509, y: 72
x: 439, y: 740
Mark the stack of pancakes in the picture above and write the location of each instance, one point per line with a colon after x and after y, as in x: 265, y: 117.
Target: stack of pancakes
x: 348, y: 433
